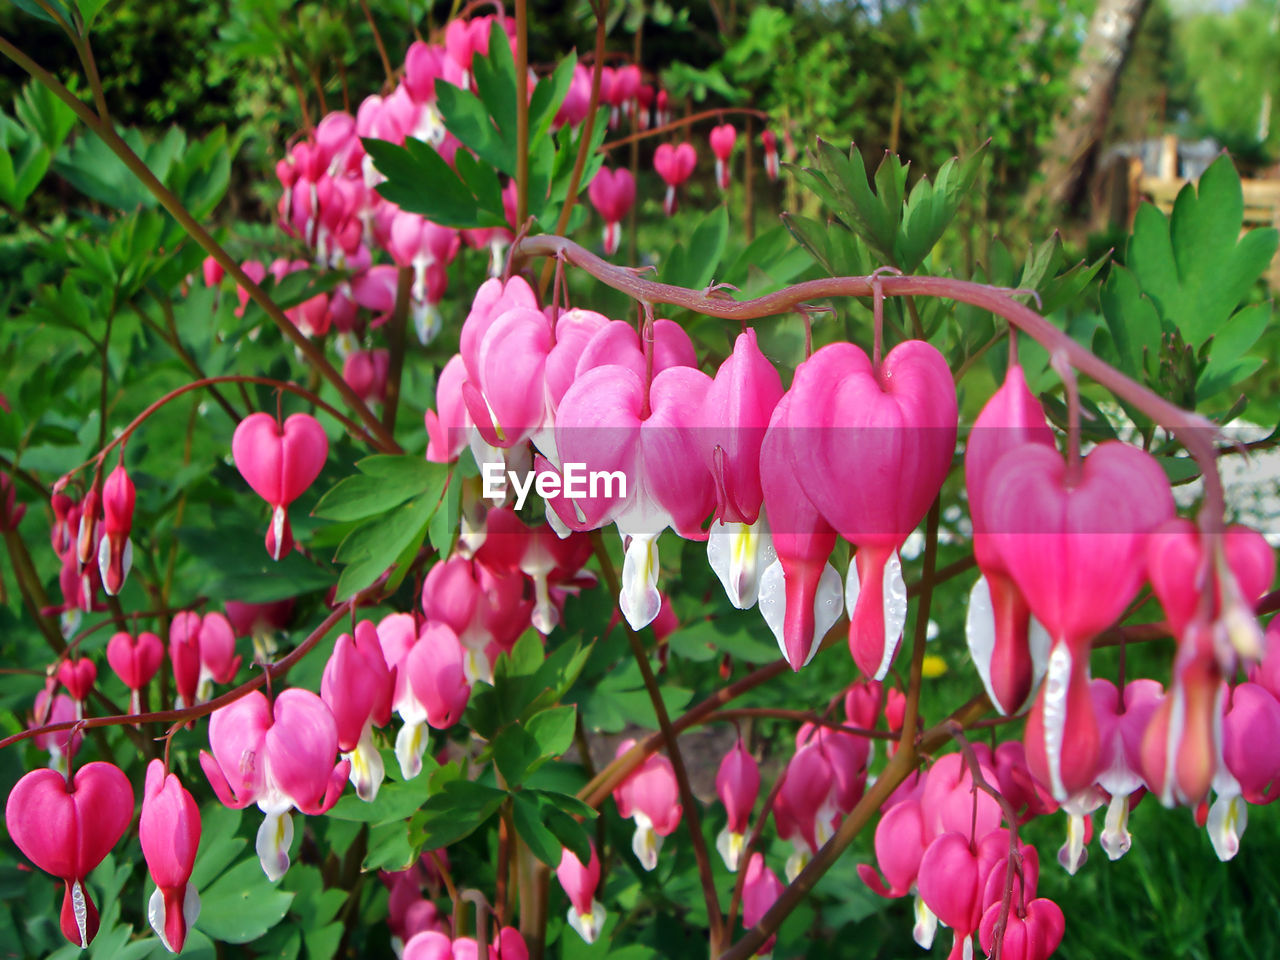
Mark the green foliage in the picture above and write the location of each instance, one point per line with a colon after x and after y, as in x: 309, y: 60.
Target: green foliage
x: 420, y: 181
x: 900, y: 229
x: 1228, y: 60
x: 1180, y: 295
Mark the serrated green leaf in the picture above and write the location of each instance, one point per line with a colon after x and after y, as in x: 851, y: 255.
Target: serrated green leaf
x: 864, y: 212
x: 932, y: 207
x: 384, y: 482
x: 375, y: 545
x: 419, y: 180
x: 42, y: 113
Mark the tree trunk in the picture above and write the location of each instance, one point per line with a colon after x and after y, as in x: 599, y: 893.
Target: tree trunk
x: 1093, y: 84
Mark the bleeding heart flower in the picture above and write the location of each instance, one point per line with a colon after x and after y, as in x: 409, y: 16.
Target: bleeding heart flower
x: 900, y: 842
x: 449, y: 429
x: 737, y: 785
x: 805, y: 809
x: 432, y: 689
x: 1008, y: 646
x: 212, y: 643
x: 948, y: 882
x: 1033, y: 934
x: 78, y: 675
x: 537, y: 553
x: 870, y: 448
x: 1250, y: 768
x: 281, y: 757
x: 1208, y: 603
x: 115, y: 551
x: 135, y: 662
x: 651, y: 798
x: 358, y: 689
x: 67, y: 828
x: 169, y: 832
x: 586, y: 913
x: 61, y: 744
x: 1121, y: 727
x: 612, y: 193
x: 610, y: 420
x: 800, y: 594
x: 950, y: 803
x: 1074, y: 541
x: 760, y: 892
x: 737, y: 410
x: 279, y: 463
x: 674, y: 165
x: 769, y: 140
x: 723, y: 138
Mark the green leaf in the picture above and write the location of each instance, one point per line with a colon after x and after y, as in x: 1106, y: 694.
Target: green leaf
x: 1179, y: 469
x: 467, y: 119
x: 1228, y: 364
x: 732, y: 634
x: 374, y: 546
x: 568, y: 831
x: 495, y: 77
x: 695, y: 266
x: 390, y: 847
x: 92, y: 167
x: 454, y: 813
x: 396, y: 799
x: 444, y: 522
x: 932, y: 207
x: 849, y: 194
x: 568, y: 803
x: 219, y: 845
x: 553, y: 730
x: 1195, y: 266
x: 547, y: 97
x: 386, y: 482
x: 527, y: 816
x: 35, y: 10
x: 1133, y: 322
x: 89, y: 10
x: 515, y: 751
x: 242, y: 904
x: 42, y: 113
x: 419, y: 180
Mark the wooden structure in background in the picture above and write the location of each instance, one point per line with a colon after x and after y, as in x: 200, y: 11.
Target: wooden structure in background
x: 1261, y: 197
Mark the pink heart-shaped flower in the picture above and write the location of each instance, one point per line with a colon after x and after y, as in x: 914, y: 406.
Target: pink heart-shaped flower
x: 66, y: 831
x: 722, y: 140
x: 675, y: 163
x: 279, y: 463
